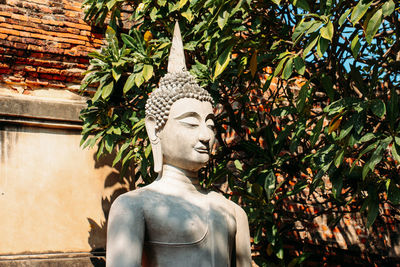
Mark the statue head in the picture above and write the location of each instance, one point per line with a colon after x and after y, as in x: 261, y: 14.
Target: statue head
x: 179, y: 116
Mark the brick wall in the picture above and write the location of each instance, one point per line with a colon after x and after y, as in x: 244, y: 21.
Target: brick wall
x: 44, y: 44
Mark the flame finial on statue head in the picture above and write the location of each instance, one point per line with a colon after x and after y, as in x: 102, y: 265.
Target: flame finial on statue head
x: 176, y: 84
x: 176, y: 60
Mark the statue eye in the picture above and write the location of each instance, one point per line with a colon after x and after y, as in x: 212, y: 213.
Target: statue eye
x: 210, y: 124
x: 190, y: 122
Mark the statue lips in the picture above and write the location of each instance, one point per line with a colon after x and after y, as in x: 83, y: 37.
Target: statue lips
x: 202, y: 149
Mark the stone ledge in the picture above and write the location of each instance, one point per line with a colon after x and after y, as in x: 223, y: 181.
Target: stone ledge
x: 82, y: 259
x: 41, y: 112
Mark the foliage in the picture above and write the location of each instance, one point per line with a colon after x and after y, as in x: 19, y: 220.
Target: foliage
x: 309, y: 90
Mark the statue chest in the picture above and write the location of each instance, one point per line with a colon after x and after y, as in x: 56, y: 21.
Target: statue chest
x: 181, y: 221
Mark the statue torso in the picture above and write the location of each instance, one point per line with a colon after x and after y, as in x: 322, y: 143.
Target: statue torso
x: 185, y: 228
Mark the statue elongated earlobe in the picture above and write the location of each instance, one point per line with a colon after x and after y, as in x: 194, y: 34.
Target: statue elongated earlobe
x: 150, y: 123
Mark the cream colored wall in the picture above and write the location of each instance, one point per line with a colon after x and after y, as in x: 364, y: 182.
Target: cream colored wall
x: 49, y: 187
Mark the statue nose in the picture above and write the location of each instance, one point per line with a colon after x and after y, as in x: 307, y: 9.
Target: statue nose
x: 204, y: 135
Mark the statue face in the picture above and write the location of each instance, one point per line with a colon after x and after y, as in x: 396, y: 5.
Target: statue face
x: 188, y: 135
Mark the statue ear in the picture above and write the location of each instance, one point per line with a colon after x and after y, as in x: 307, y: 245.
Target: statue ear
x: 150, y: 123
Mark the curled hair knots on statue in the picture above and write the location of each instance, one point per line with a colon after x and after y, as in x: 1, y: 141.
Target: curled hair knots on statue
x: 173, y: 86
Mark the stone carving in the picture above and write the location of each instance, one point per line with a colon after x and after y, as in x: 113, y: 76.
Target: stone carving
x: 173, y: 221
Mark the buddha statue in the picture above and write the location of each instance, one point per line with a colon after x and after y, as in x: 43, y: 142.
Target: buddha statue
x: 174, y: 222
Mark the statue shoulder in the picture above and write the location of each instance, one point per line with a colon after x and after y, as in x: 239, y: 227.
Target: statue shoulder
x: 132, y: 200
x: 230, y: 205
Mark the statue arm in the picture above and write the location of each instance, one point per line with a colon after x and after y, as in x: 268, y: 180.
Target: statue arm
x: 243, y: 250
x: 125, y: 234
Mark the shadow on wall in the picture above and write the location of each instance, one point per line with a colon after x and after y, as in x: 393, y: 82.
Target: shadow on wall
x: 116, y: 185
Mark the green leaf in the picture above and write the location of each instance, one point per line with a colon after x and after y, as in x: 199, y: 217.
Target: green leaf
x: 120, y: 152
x: 376, y: 157
x: 303, y: 4
x: 337, y: 181
x: 359, y: 10
x: 147, y: 151
x: 238, y: 165
x: 344, y: 16
x: 373, y: 26
x: 328, y: 86
x: 129, y: 83
x: 327, y: 31
x: 313, y: 41
x: 287, y: 71
x: 269, y: 183
x: 222, y: 19
x: 182, y: 3
x: 315, y: 26
x: 316, y: 131
x: 258, y: 235
x: 223, y: 61
x: 280, y: 66
x: 373, y: 210
x: 161, y: 2
x: 111, y: 4
x: 276, y: 2
x: 139, y: 79
x: 299, y: 64
x: 339, y: 158
x: 147, y: 72
x: 355, y: 46
x: 388, y: 8
x: 347, y: 127
x: 301, y: 98
x: 188, y: 15
x: 378, y: 107
x: 109, y: 144
x: 116, y: 73
x: 322, y: 46
x: 396, y: 152
x: 393, y: 192
x: 107, y: 90
x: 153, y: 14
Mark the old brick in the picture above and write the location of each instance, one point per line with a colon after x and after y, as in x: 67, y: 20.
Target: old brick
x: 33, y: 74
x: 57, y: 84
x: 82, y: 26
x: 5, y: 14
x: 73, y: 14
x: 45, y: 9
x: 62, y: 45
x: 73, y: 8
x: 34, y: 41
x: 20, y: 17
x: 29, y: 68
x: 59, y: 78
x: 58, y: 11
x: 36, y: 48
x: 5, y: 71
x: 53, y: 22
x: 72, y: 73
x: 8, y: 31
x: 48, y: 71
x: 45, y: 76
x: 42, y: 2
x: 3, y: 36
x: 16, y: 79
x: 36, y: 82
x: 20, y: 46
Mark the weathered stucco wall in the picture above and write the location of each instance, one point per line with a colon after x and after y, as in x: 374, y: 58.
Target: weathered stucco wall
x: 54, y: 196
